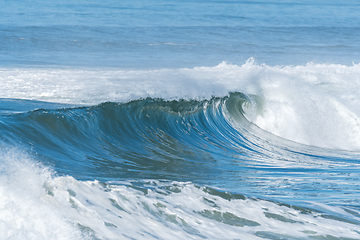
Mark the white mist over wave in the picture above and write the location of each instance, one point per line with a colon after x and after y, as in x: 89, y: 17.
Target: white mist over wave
x: 313, y: 104
x: 35, y: 204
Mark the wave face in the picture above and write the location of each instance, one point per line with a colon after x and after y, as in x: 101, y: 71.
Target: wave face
x: 222, y: 153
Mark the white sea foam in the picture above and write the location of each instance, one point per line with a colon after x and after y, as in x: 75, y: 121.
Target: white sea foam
x: 25, y: 210
x: 314, y: 104
x: 34, y: 204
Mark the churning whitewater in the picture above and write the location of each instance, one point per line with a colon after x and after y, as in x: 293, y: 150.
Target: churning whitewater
x: 225, y: 152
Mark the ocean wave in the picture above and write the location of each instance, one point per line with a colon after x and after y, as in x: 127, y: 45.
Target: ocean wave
x: 208, y: 141
x: 313, y: 104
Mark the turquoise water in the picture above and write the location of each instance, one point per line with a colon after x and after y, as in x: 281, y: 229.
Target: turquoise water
x: 179, y: 120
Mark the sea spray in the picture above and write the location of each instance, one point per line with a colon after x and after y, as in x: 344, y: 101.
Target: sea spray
x: 26, y: 210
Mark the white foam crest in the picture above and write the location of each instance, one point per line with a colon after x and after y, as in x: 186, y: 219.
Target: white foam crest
x: 24, y: 209
x: 314, y: 104
x: 34, y: 204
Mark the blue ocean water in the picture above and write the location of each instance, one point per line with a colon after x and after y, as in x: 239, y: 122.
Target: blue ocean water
x: 177, y: 34
x: 179, y: 120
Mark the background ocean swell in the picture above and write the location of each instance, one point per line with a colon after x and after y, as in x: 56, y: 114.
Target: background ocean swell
x: 168, y: 33
x: 161, y: 162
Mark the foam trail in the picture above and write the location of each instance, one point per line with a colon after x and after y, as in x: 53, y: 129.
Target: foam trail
x: 35, y: 204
